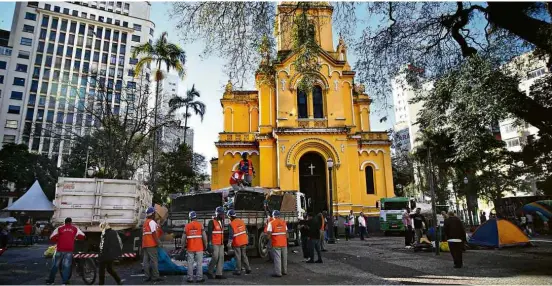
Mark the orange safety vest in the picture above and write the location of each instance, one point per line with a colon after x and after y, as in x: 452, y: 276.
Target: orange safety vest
x: 250, y: 165
x: 218, y: 233
x: 147, y: 235
x: 279, y: 233
x: 194, y: 238
x: 240, y: 234
x: 267, y: 222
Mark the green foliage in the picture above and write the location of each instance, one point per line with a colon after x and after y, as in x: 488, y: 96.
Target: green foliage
x: 306, y: 52
x: 22, y: 168
x: 266, y: 70
x: 188, y: 102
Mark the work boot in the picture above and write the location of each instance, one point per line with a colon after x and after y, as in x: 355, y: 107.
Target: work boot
x: 310, y: 261
x: 210, y: 276
x: 248, y: 271
x: 318, y: 261
x: 220, y: 277
x: 276, y: 276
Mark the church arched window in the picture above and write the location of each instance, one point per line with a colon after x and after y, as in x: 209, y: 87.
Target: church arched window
x: 317, y: 102
x: 369, y: 175
x: 302, y: 104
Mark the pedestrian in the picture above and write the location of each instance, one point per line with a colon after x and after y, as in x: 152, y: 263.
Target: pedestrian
x: 28, y: 231
x: 269, y: 218
x: 336, y: 229
x: 314, y: 239
x: 246, y: 166
x: 529, y: 223
x: 150, y: 242
x: 215, y: 246
x: 322, y: 217
x: 238, y: 240
x: 455, y: 234
x: 277, y: 233
x: 351, y: 218
x: 110, y: 249
x: 419, y: 222
x: 482, y: 218
x: 3, y: 236
x: 304, y: 230
x: 362, y: 225
x: 347, y: 228
x: 407, y: 222
x: 194, y: 240
x: 65, y: 237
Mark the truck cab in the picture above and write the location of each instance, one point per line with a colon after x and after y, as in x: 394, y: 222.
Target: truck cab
x: 391, y: 212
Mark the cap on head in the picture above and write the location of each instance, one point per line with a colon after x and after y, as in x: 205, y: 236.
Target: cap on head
x: 244, y: 155
x: 219, y: 211
x: 150, y: 211
x: 193, y: 215
x: 276, y: 213
x: 231, y: 213
x: 68, y: 220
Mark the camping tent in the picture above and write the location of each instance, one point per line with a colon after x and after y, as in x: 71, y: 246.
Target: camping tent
x: 33, y: 200
x: 544, y: 207
x: 498, y: 233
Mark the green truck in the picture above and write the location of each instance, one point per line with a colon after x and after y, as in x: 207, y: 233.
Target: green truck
x: 391, y: 211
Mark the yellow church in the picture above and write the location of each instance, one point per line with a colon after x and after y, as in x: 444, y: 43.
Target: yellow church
x: 290, y: 135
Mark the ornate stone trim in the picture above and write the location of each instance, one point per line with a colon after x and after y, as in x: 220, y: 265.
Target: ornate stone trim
x: 327, y: 148
x: 368, y: 162
x: 234, y: 152
x: 368, y: 151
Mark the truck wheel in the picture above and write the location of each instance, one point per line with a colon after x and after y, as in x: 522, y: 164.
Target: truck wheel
x: 262, y: 245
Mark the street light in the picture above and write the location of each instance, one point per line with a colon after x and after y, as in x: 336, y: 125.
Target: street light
x: 331, y: 237
x: 465, y: 180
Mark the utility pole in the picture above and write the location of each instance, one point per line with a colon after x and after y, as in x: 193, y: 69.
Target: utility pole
x: 433, y: 209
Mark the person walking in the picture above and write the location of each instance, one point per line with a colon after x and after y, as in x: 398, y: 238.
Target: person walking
x: 419, y: 222
x: 110, y: 250
x: 304, y: 230
x: 277, y: 233
x: 194, y: 240
x: 346, y: 225
x: 351, y: 218
x: 238, y: 240
x: 269, y: 218
x: 246, y: 166
x: 150, y: 242
x: 407, y: 222
x: 529, y: 223
x: 455, y: 233
x: 215, y: 246
x: 362, y: 225
x: 28, y: 231
x: 323, y: 227
x: 314, y: 239
x: 482, y: 218
x: 64, y: 237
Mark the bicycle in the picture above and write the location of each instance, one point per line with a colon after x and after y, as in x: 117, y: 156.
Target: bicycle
x: 85, y: 265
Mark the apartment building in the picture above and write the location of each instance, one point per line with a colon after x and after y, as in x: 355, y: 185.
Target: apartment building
x: 44, y: 67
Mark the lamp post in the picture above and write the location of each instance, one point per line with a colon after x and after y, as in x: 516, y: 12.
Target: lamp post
x: 331, y: 237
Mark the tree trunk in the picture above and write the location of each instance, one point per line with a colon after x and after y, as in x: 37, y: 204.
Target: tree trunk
x: 186, y: 124
x: 155, y: 108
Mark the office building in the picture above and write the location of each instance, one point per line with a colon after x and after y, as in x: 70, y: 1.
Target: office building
x: 54, y: 46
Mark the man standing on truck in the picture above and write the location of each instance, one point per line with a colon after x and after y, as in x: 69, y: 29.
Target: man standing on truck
x: 236, y: 180
x: 246, y: 166
x: 215, y: 238
x: 419, y: 221
x: 238, y: 240
x: 277, y: 233
x: 150, y: 242
x: 194, y: 240
x: 65, y: 237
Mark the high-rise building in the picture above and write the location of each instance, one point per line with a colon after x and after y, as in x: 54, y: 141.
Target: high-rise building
x: 54, y: 46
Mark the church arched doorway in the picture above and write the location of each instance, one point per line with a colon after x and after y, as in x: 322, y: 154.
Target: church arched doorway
x: 312, y: 181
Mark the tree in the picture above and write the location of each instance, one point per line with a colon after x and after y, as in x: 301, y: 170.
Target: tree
x: 21, y: 168
x: 179, y: 171
x: 159, y: 53
x: 188, y: 102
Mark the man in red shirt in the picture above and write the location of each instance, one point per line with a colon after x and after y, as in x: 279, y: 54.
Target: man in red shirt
x: 64, y: 236
x: 236, y: 180
x: 28, y: 230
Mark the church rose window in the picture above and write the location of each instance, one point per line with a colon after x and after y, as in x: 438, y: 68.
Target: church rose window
x: 302, y: 104
x: 317, y: 102
x: 369, y: 174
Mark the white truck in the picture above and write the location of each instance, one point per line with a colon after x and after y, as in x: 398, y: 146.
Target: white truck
x: 88, y: 202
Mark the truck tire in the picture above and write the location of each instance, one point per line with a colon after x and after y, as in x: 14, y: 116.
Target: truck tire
x: 262, y: 245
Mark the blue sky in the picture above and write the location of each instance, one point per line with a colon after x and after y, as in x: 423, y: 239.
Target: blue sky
x: 206, y: 73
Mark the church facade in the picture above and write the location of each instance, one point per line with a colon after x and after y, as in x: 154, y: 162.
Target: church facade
x: 290, y: 135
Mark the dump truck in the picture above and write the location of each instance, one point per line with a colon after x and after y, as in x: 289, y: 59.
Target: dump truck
x: 249, y: 204
x: 89, y: 201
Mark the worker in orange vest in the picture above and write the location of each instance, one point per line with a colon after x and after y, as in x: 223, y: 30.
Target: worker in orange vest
x: 150, y: 242
x: 277, y: 233
x: 238, y: 240
x: 246, y: 166
x: 194, y: 240
x: 215, y: 238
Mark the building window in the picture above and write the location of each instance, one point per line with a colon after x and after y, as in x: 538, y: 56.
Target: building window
x: 66, y: 11
x: 137, y: 27
x: 9, y: 139
x: 73, y: 27
x: 14, y: 109
x: 133, y: 61
x: 512, y: 142
x: 12, y: 124
x: 135, y: 38
x: 45, y: 21
x: 18, y: 81
x: 302, y: 104
x: 24, y: 55
x: 125, y: 24
x: 16, y: 95
x: 21, y: 68
x: 47, y: 7
x: 1, y: 79
x: 75, y: 13
x: 57, y: 9
x: 536, y: 73
x: 28, y: 29
x: 30, y: 16
x: 3, y: 65
x: 26, y: 41
x: 127, y: 6
x: 510, y: 128
x: 32, y: 4
x: 369, y: 176
x: 317, y: 102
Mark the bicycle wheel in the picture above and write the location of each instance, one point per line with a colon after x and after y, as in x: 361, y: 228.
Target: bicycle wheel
x: 88, y: 270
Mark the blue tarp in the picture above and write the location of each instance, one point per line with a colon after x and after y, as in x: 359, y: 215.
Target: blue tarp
x: 168, y: 267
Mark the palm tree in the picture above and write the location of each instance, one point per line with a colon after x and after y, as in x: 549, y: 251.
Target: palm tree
x: 188, y: 102
x: 158, y: 53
